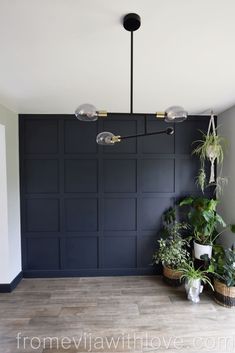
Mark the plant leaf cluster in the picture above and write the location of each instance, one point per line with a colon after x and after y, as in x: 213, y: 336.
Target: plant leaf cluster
x: 172, y: 246
x: 217, y: 144
x: 228, y: 275
x: 203, y: 219
x: 190, y: 273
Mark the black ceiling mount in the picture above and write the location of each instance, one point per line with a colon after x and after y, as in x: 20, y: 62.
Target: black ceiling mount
x: 131, y: 22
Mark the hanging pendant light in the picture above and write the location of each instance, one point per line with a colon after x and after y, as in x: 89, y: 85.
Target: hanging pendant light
x: 107, y: 138
x: 88, y: 112
x: 131, y: 23
x: 174, y: 114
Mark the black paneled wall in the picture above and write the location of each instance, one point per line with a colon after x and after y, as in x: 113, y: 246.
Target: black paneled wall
x: 93, y: 210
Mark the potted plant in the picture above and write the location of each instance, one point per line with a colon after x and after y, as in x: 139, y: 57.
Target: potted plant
x: 217, y: 259
x: 203, y: 219
x: 194, y: 280
x: 172, y: 249
x: 211, y: 148
x: 225, y: 281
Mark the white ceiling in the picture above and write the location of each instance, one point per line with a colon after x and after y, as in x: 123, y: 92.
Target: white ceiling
x: 57, y: 54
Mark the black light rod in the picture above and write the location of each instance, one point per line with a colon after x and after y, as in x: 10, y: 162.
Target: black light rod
x: 131, y: 78
x: 168, y: 131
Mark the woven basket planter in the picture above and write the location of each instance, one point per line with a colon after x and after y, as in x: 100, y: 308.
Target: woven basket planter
x: 224, y: 295
x: 172, y: 277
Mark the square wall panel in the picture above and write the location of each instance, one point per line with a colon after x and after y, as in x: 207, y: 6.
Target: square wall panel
x: 158, y: 175
x: 41, y: 136
x: 80, y: 137
x: 186, y: 133
x: 157, y: 143
x: 119, y: 252
x: 43, y: 254
x: 152, y: 210
x: 146, y: 248
x: 80, y: 175
x: 80, y: 253
x: 120, y: 214
x: 81, y: 215
x: 41, y: 176
x: 119, y: 175
x: 119, y: 127
x: 187, y: 170
x: 42, y: 215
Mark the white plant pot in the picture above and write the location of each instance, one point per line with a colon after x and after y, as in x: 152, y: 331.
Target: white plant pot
x: 193, y: 289
x: 200, y: 250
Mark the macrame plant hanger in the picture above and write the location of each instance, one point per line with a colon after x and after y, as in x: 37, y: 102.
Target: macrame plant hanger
x: 211, y: 153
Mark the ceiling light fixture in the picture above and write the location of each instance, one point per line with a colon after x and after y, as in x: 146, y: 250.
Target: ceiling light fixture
x: 88, y: 112
x: 107, y: 138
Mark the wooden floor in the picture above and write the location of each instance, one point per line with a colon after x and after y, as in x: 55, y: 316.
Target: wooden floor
x: 111, y: 314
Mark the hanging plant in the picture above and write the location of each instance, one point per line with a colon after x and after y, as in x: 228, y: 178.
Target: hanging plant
x: 211, y: 148
x: 201, y: 179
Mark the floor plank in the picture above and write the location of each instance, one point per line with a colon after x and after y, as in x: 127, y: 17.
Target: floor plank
x: 125, y: 314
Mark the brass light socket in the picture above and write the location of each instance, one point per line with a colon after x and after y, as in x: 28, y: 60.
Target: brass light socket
x: 116, y: 139
x: 160, y: 115
x: 102, y: 113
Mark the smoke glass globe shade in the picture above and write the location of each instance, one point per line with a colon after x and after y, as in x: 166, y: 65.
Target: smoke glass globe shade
x: 86, y: 112
x: 105, y: 138
x: 175, y: 114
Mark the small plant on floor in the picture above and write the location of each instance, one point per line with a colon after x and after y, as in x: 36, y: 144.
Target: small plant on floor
x: 227, y: 273
x: 172, y: 252
x: 229, y: 268
x: 225, y: 282
x: 172, y: 249
x: 217, y: 260
x: 194, y: 280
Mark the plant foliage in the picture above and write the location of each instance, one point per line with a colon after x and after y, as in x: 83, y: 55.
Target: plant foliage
x: 190, y: 273
x: 217, y: 259
x: 172, y: 247
x: 203, y: 218
x: 228, y: 275
x: 217, y: 144
x: 172, y: 252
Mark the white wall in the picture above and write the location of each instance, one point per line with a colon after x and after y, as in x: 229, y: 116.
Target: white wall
x: 227, y: 205
x: 10, y: 244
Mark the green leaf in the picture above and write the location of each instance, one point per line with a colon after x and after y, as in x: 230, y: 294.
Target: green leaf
x: 187, y: 201
x: 208, y: 215
x: 220, y: 220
